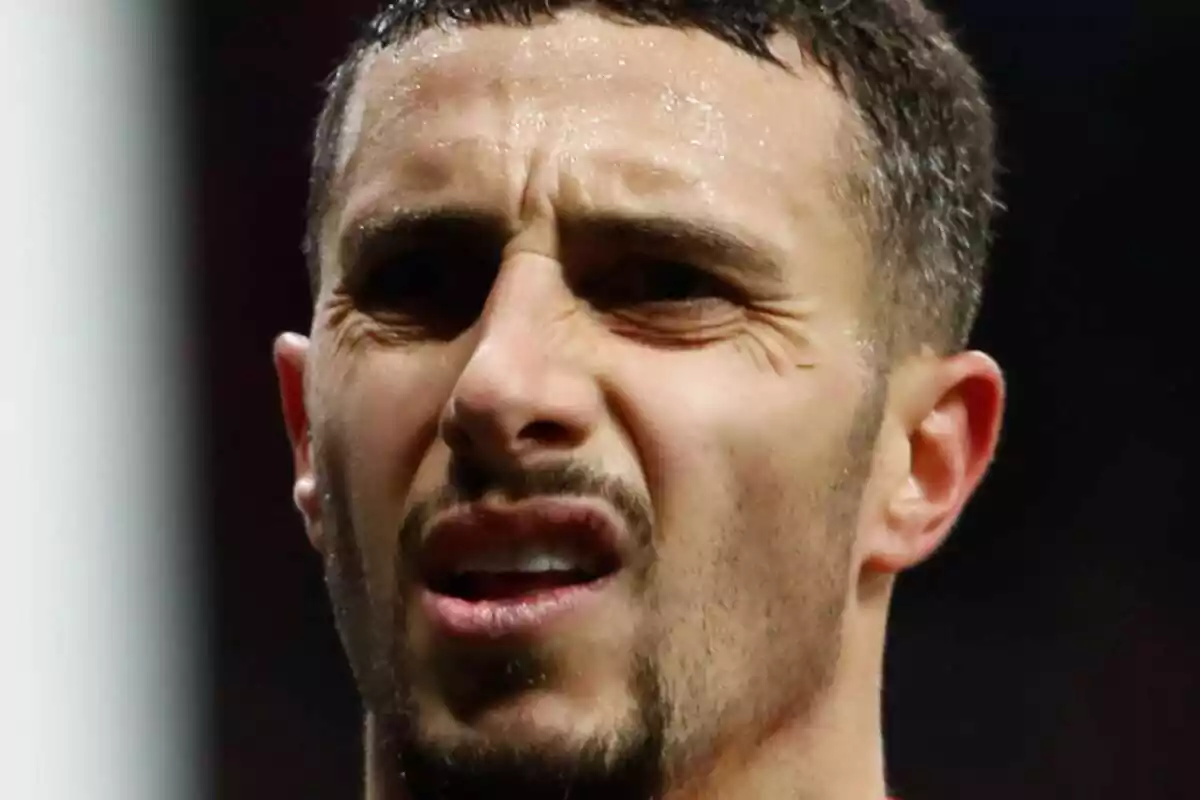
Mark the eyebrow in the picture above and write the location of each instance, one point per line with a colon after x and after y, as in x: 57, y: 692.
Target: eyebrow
x: 373, y: 236
x: 478, y: 227
x: 693, y: 237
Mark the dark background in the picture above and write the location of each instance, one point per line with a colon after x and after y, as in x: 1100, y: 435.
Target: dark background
x: 1049, y: 651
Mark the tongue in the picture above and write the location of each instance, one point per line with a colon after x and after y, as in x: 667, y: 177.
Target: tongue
x: 505, y: 585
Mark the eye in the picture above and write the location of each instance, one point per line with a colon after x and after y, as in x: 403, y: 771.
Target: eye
x: 432, y: 289
x: 655, y: 282
x: 399, y: 282
x: 673, y: 282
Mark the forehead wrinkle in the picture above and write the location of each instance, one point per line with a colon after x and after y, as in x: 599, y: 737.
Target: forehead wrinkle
x: 437, y: 69
x: 688, y: 60
x: 418, y: 94
x: 470, y: 172
x: 433, y: 179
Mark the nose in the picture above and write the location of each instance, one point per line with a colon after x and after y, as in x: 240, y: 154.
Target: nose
x: 525, y: 390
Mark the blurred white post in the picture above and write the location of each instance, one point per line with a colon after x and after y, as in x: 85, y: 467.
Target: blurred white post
x: 100, y: 642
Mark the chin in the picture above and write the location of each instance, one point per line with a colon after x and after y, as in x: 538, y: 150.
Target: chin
x: 568, y: 688
x: 543, y: 719
x: 533, y: 753
x: 545, y: 742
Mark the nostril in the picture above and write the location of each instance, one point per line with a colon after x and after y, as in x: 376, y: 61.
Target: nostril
x: 547, y: 432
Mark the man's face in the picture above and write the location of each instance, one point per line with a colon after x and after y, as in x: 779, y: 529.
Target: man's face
x: 590, y: 410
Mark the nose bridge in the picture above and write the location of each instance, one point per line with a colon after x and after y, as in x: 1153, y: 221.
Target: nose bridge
x: 527, y: 296
x: 523, y: 387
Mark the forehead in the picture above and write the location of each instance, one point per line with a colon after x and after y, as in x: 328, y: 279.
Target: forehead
x: 628, y: 113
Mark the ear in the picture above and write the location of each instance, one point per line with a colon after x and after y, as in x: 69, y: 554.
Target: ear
x: 291, y: 360
x: 946, y: 421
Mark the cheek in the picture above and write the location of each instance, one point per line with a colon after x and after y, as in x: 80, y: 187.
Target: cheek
x: 727, y: 461
x: 718, y: 437
x: 741, y: 462
x: 741, y: 482
x: 380, y: 418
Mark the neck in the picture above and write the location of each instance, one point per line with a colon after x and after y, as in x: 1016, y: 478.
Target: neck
x: 834, y: 753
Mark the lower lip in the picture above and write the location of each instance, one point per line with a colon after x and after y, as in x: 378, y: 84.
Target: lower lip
x: 526, y: 615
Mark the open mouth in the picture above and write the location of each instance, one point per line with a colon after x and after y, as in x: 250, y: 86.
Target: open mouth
x: 507, y: 553
x: 498, y: 577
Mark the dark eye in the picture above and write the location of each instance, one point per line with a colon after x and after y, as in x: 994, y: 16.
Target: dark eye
x: 674, y: 281
x: 655, y: 283
x: 399, y: 282
x: 430, y: 289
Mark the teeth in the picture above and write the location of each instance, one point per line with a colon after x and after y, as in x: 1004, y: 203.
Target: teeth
x: 535, y: 559
x: 546, y: 562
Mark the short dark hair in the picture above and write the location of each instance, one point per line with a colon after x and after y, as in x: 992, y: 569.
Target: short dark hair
x: 924, y: 184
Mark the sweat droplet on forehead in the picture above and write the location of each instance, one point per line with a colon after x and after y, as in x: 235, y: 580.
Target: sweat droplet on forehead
x: 589, y: 73
x: 583, y: 94
x: 583, y: 110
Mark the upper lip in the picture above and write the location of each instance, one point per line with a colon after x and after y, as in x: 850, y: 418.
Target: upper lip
x: 587, y: 524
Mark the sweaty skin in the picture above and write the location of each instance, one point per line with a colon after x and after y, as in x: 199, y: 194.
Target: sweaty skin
x: 620, y: 247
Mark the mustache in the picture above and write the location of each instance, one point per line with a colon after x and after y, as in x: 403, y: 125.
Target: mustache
x: 469, y: 483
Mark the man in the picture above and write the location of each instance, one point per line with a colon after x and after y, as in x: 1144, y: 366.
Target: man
x: 636, y: 376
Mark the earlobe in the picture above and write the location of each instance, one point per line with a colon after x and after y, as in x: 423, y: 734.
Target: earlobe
x: 955, y: 412
x: 291, y: 359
